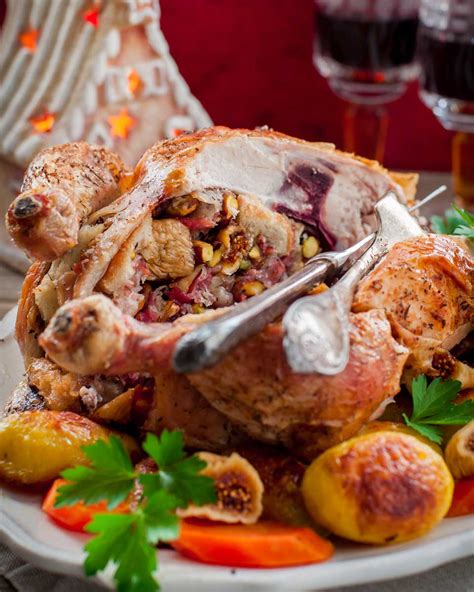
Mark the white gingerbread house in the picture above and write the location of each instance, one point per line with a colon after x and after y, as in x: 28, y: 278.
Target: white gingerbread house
x: 98, y: 70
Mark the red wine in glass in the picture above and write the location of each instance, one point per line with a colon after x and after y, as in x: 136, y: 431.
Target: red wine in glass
x: 446, y: 55
x: 366, y: 50
x: 365, y: 44
x: 447, y: 71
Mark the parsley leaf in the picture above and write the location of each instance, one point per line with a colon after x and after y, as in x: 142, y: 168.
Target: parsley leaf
x: 432, y: 399
x: 177, y: 474
x: 108, y: 546
x: 456, y: 221
x: 166, y: 450
x: 129, y: 540
x: 465, y: 215
x: 123, y: 540
x: 432, y: 433
x: 111, y: 476
x: 160, y: 517
x: 446, y: 224
x: 433, y: 406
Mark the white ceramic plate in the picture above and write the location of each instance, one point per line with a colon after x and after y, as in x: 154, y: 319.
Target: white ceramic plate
x: 30, y: 534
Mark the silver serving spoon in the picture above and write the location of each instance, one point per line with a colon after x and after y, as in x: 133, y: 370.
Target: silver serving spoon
x: 317, y: 327
x: 207, y: 344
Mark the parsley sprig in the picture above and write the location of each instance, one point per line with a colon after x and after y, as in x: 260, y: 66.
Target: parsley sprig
x: 433, y: 407
x: 455, y: 221
x: 129, y: 540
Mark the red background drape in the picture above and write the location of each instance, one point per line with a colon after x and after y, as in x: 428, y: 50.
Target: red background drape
x: 250, y: 63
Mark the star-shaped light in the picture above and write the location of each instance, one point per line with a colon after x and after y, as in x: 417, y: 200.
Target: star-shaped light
x: 134, y: 82
x: 29, y: 39
x: 92, y: 16
x: 121, y: 123
x: 43, y: 123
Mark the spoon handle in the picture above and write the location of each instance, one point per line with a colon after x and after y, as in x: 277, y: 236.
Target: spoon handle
x: 204, y: 346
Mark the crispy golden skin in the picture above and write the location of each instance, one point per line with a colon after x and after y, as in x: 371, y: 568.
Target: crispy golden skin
x: 306, y: 413
x: 62, y: 186
x: 177, y: 405
x: 426, y: 287
x: 381, y: 487
x: 29, y: 323
x: 254, y: 386
x: 35, y: 446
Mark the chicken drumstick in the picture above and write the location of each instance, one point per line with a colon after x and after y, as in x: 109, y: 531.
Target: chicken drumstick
x: 62, y: 186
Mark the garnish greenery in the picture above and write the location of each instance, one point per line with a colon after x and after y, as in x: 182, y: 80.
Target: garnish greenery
x: 433, y: 407
x: 455, y: 221
x: 129, y: 540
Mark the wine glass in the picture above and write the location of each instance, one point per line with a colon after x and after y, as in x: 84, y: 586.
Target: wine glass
x: 446, y: 54
x: 366, y: 49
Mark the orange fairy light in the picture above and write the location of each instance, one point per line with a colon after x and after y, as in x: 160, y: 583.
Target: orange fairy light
x: 121, y: 124
x: 92, y: 17
x: 29, y: 39
x: 134, y: 82
x: 43, y: 123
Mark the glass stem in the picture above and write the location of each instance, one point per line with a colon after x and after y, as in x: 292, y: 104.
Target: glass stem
x: 463, y: 169
x: 365, y: 130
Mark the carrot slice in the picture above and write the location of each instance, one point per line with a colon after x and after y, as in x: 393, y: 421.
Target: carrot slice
x: 463, y: 498
x: 265, y: 544
x: 74, y: 517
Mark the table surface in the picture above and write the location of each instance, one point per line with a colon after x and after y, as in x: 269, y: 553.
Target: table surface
x: 10, y: 281
x: 16, y: 575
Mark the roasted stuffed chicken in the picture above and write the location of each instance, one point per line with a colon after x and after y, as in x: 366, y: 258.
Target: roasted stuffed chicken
x: 209, y: 220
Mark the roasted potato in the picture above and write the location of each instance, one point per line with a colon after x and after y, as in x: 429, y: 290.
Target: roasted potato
x: 35, y: 446
x: 395, y: 426
x: 381, y: 487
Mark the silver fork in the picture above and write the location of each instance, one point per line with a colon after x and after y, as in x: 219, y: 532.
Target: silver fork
x: 207, y: 344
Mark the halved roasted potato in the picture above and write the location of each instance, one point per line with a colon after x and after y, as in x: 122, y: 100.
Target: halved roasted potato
x: 35, y: 446
x: 381, y: 487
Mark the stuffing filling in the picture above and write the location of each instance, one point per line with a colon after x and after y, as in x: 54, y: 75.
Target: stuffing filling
x: 193, y: 255
x: 195, y: 252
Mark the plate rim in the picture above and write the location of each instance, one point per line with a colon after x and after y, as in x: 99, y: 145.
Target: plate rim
x: 435, y: 553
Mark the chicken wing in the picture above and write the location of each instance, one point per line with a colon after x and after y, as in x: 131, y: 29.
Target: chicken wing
x: 62, y: 186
